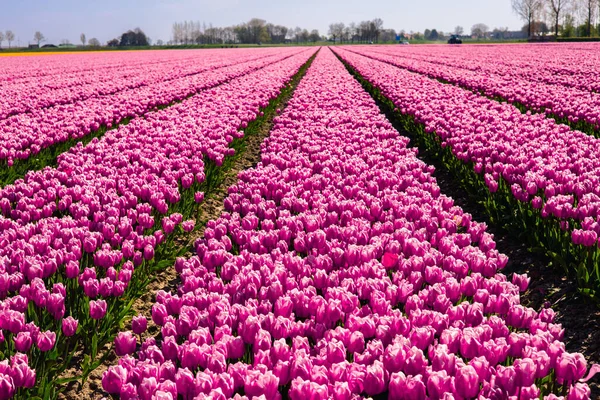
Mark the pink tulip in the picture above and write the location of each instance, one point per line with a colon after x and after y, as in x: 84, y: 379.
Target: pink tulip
x: 114, y: 378
x: 139, y: 324
x: 467, y: 382
x: 125, y: 343
x: 97, y: 309
x: 45, y: 340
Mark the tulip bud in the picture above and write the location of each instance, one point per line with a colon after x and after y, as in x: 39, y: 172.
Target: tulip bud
x: 69, y: 326
x: 114, y: 378
x: 23, y: 341
x: 45, y: 340
x: 406, y: 387
x: 7, y: 387
x: 579, y: 391
x: 125, y: 343
x: 467, y: 382
x: 139, y: 324
x: 97, y: 309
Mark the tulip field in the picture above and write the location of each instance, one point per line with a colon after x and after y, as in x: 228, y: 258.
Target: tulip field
x: 45, y: 116
x: 336, y: 267
x: 568, y: 93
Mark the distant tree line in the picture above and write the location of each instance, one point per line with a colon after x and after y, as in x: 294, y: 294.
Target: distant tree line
x: 254, y: 31
x: 361, y: 32
x: 131, y: 38
x: 564, y: 18
x: 39, y: 38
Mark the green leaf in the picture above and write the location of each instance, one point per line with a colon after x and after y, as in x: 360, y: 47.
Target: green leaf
x: 94, y: 345
x: 53, y: 355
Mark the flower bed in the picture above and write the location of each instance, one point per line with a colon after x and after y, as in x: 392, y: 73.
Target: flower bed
x: 525, y: 166
x: 576, y: 107
x: 33, y: 83
x: 81, y: 241
x: 340, y: 271
x: 34, y: 140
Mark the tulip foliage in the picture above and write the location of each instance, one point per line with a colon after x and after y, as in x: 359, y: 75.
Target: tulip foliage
x: 529, y: 171
x: 34, y: 137
x: 568, y: 94
x: 80, y: 242
x: 339, y: 270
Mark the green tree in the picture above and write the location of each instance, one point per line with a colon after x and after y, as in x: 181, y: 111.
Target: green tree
x: 568, y: 28
x: 134, y: 38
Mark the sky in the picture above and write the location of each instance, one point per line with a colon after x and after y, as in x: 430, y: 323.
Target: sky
x: 106, y: 19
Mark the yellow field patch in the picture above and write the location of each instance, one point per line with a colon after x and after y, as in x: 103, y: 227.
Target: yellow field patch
x: 48, y: 53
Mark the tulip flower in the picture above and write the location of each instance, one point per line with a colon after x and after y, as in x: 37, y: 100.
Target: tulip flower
x: 23, y: 342
x: 467, y: 382
x: 570, y: 368
x: 114, y: 378
x: 188, y: 226
x: 125, y: 343
x: 139, y: 324
x: 7, y: 388
x: 23, y: 375
x: 337, y: 269
x: 45, y: 340
x: 97, y: 309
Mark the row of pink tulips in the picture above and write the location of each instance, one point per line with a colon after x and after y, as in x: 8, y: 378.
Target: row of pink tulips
x: 113, y: 73
x: 339, y: 271
x: 538, y: 164
x: 24, y: 135
x: 41, y: 68
x: 572, y: 65
x: 579, y: 107
x: 77, y: 239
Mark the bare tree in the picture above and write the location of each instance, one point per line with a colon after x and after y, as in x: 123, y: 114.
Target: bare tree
x: 93, y: 42
x: 527, y: 10
x: 352, y: 30
x: 336, y: 30
x: 314, y: 36
x: 38, y: 37
x: 377, y: 26
x: 479, y: 30
x: 556, y: 8
x: 83, y: 39
x: 1, y: 38
x: 177, y: 32
x: 589, y: 6
x: 10, y: 36
x: 459, y: 30
x: 297, y: 34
